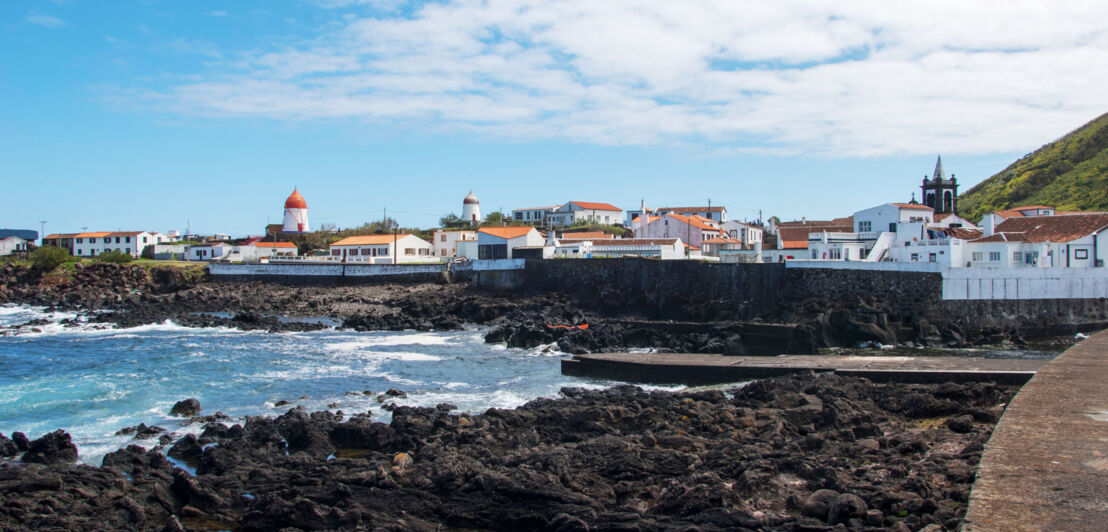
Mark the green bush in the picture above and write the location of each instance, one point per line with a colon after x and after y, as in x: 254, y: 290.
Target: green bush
x: 117, y: 257
x: 46, y: 258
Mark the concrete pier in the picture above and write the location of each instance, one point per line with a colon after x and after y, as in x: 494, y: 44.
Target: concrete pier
x: 689, y: 368
x: 1046, y: 465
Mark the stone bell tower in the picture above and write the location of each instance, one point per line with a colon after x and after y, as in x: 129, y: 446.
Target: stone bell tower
x: 940, y: 193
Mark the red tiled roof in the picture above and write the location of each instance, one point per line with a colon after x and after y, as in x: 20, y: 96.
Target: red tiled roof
x: 91, y: 235
x: 961, y: 233
x: 796, y: 237
x: 722, y: 240
x: 368, y: 240
x: 506, y: 232
x: 595, y: 206
x: 716, y: 208
x: 695, y: 221
x: 912, y: 206
x: 1047, y: 228
x: 638, y: 242
x: 57, y: 236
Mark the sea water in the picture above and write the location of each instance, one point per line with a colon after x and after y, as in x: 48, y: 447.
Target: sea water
x: 93, y: 380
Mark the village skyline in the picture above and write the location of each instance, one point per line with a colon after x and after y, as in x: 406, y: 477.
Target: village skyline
x: 164, y: 116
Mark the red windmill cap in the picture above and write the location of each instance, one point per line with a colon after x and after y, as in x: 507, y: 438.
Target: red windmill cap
x: 296, y: 201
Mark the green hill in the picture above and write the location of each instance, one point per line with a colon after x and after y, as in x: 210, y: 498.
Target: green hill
x: 1069, y: 174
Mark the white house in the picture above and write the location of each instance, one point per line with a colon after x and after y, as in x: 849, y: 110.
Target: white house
x: 748, y: 234
x: 264, y: 250
x: 210, y: 251
x: 533, y: 215
x: 949, y: 219
x: 690, y: 229
x: 129, y: 242
x: 445, y: 243
x: 716, y: 213
x: 498, y: 242
x: 383, y: 249
x: 587, y: 211
x: 12, y: 244
x: 1043, y: 241
x: 662, y: 248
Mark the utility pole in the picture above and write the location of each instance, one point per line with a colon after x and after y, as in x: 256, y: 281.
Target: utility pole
x: 395, y: 250
x: 42, y: 232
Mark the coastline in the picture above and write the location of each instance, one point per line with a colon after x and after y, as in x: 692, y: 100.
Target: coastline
x: 751, y: 457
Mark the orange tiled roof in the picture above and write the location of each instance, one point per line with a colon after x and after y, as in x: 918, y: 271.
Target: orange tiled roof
x: 91, y: 235
x: 260, y: 244
x: 596, y: 206
x: 506, y: 232
x: 912, y: 206
x: 57, y: 236
x: 722, y: 240
x: 583, y: 235
x: 695, y: 221
x: 1047, y: 228
x: 368, y: 240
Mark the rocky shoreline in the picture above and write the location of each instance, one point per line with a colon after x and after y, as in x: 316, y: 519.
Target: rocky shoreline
x: 808, y: 452
x: 139, y: 296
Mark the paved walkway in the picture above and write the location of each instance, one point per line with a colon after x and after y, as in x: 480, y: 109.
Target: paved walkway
x: 701, y: 368
x: 1046, y: 465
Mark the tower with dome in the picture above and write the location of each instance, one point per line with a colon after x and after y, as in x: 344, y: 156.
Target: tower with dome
x: 471, y: 209
x: 296, y: 214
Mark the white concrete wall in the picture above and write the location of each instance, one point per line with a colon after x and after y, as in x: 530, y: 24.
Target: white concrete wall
x: 1024, y: 283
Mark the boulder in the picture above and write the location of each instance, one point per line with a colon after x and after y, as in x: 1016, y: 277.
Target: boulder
x: 960, y: 424
x: 187, y: 408
x: 53, y: 448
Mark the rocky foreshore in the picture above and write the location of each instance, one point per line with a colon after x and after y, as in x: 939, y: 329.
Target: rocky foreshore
x: 808, y: 452
x: 130, y: 296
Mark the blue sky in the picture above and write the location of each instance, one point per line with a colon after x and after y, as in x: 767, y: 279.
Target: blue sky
x: 151, y: 114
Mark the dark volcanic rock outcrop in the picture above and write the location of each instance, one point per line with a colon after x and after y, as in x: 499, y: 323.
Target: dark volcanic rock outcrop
x: 798, y: 453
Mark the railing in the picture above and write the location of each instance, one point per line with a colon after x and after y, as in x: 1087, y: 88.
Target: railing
x: 842, y: 236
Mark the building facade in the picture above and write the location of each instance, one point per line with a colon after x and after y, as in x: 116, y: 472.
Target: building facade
x: 445, y: 243
x: 383, y: 249
x: 585, y: 211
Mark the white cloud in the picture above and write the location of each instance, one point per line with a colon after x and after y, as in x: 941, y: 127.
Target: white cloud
x: 859, y: 78
x: 217, y: 13
x: 45, y: 21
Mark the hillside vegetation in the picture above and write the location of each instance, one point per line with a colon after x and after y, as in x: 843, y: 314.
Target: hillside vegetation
x: 1069, y: 174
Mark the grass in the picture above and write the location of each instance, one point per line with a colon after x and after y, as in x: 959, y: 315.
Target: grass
x: 1069, y: 174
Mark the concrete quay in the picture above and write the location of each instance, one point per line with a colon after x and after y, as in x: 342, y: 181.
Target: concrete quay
x: 1046, y: 465
x: 690, y: 368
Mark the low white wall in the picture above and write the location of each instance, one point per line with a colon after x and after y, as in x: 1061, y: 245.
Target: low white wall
x: 323, y: 269
x: 927, y: 267
x: 499, y: 264
x: 1024, y: 283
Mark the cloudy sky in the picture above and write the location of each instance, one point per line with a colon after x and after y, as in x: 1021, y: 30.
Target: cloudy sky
x: 154, y: 114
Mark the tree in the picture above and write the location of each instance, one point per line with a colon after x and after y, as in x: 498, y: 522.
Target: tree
x: 46, y: 258
x: 148, y: 252
x: 494, y: 218
x: 451, y: 220
x: 116, y: 257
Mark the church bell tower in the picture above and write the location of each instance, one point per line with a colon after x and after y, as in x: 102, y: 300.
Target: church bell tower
x: 940, y: 193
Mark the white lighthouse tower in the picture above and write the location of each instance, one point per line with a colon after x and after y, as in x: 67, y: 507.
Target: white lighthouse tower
x: 296, y: 214
x: 471, y: 209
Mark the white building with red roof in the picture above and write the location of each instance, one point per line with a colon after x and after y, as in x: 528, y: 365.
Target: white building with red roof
x: 498, y: 242
x: 296, y: 214
x: 1070, y: 240
x: 692, y: 230
x: 573, y: 212
x: 383, y: 249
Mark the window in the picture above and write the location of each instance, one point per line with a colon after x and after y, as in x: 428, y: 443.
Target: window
x: 409, y: 251
x: 78, y: 251
x: 335, y: 252
x: 92, y: 240
x: 1081, y: 254
x: 117, y: 240
x: 994, y: 256
x: 915, y: 257
x: 977, y: 255
x: 127, y: 239
x: 892, y: 227
x: 865, y: 227
x: 1017, y: 257
x: 932, y: 257
x: 442, y: 252
x: 79, y: 240
x: 423, y: 251
x: 127, y: 250
x: 143, y: 240
x: 442, y: 238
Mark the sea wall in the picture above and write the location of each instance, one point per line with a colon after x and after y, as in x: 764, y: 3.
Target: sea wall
x: 326, y: 274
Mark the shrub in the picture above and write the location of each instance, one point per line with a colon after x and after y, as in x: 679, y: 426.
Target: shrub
x: 46, y: 258
x: 117, y: 257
